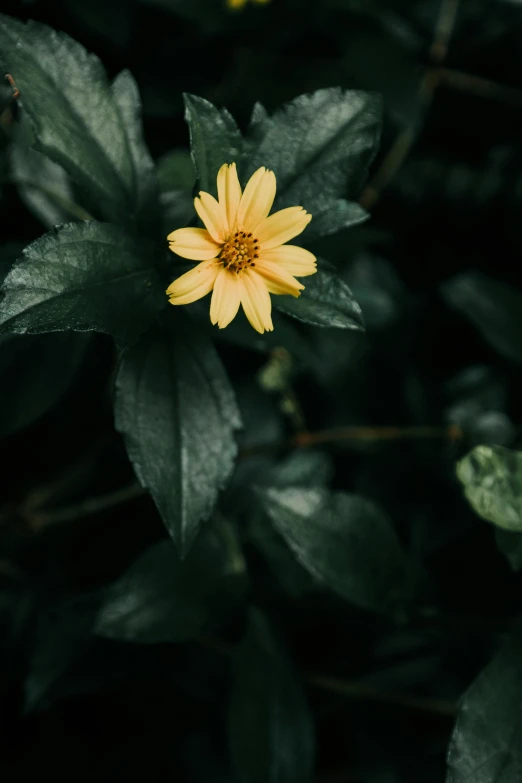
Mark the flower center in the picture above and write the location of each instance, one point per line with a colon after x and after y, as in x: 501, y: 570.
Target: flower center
x: 239, y: 252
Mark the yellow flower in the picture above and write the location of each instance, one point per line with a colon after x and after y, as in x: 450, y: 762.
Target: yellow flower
x: 242, y: 251
x: 237, y: 4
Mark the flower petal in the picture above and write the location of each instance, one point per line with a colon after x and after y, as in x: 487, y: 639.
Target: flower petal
x: 212, y: 215
x: 277, y: 279
x: 282, y: 226
x: 194, y: 284
x: 193, y: 243
x: 256, y: 301
x: 229, y: 193
x: 257, y: 199
x: 226, y: 298
x: 295, y: 260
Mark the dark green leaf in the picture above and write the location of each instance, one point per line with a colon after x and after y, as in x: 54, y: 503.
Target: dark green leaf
x: 510, y: 544
x: 271, y: 731
x: 39, y: 370
x: 214, y: 140
x: 486, y: 746
x: 325, y: 301
x: 163, y: 599
x: 145, y: 187
x: 77, y: 119
x: 492, y: 307
x: 320, y: 147
x: 43, y: 185
x: 345, y: 541
x: 492, y: 479
x: 82, y: 277
x: 338, y: 215
x: 301, y: 468
x: 177, y: 413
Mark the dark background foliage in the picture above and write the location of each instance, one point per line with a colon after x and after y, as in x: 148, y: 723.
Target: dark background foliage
x: 93, y: 685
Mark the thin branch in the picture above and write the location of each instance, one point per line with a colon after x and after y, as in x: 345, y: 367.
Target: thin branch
x: 347, y: 435
x: 368, y: 692
x: 38, y: 520
x: 444, y: 30
x: 476, y: 85
x: 353, y: 689
x: 392, y: 162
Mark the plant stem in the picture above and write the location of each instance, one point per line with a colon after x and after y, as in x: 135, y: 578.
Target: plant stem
x: 405, y: 139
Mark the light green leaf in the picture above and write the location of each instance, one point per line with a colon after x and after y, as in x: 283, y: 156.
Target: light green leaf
x: 271, y: 731
x: 325, y: 301
x: 344, y: 541
x: 492, y: 480
x: 177, y: 412
x: 78, y: 121
x: 82, y: 277
x: 161, y: 598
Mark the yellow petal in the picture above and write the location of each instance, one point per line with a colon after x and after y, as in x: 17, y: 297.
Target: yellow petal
x: 282, y: 226
x: 193, y: 243
x: 229, y: 193
x: 277, y: 279
x: 212, y: 215
x: 256, y: 301
x: 194, y: 284
x: 226, y: 298
x: 295, y: 260
x: 257, y: 199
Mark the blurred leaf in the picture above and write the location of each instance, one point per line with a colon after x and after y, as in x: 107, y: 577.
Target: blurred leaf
x: 214, y: 140
x: 492, y: 307
x: 492, y: 479
x: 510, y: 544
x: 78, y: 120
x: 345, y: 541
x: 176, y: 178
x: 271, y: 731
x: 320, y: 147
x: 175, y: 171
x: 39, y: 370
x: 486, y: 746
x: 305, y: 468
x: 163, y: 599
x: 325, y: 301
x: 82, y: 277
x: 177, y: 412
